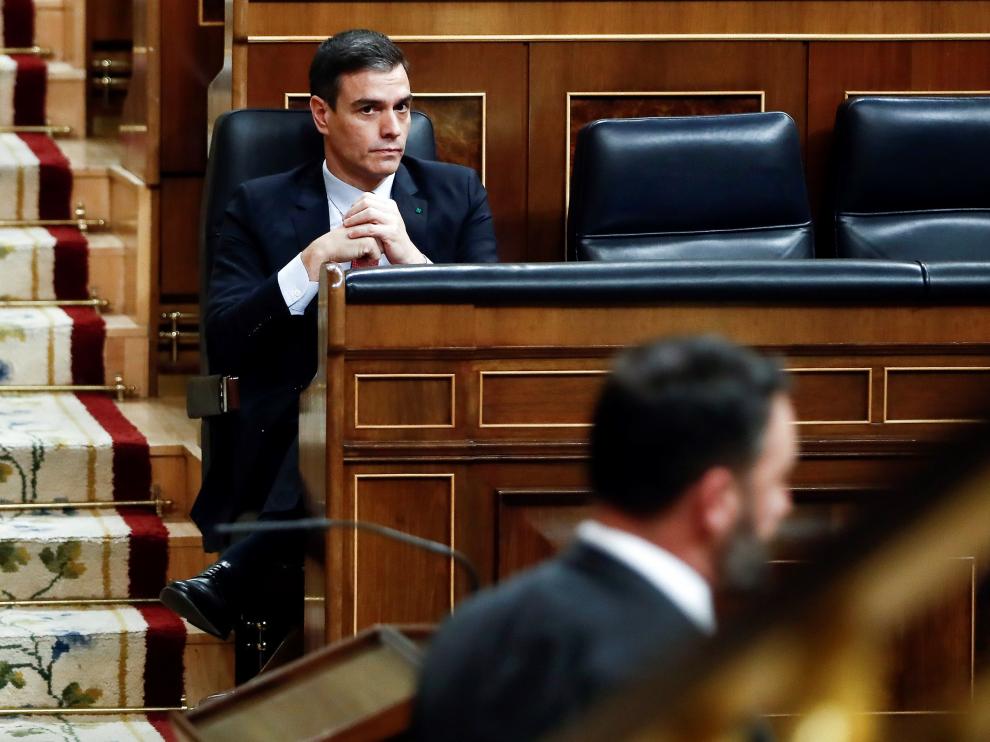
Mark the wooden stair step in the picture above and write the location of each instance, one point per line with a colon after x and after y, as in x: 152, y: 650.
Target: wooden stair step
x: 60, y: 25
x: 66, y: 99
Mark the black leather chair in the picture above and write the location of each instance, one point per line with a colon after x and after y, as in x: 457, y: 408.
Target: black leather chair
x: 689, y: 188
x: 912, y: 178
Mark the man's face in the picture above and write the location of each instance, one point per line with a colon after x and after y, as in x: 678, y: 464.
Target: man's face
x: 365, y: 136
x: 765, y: 500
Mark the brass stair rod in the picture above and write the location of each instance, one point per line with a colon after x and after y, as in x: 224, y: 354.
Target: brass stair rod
x: 118, y: 387
x: 85, y: 710
x: 31, y: 51
x: 82, y: 224
x: 101, y: 505
x: 25, y: 303
x: 75, y: 602
x: 156, y: 501
x: 51, y: 129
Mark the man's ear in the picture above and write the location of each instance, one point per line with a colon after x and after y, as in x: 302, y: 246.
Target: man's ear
x: 320, y: 110
x: 717, y: 502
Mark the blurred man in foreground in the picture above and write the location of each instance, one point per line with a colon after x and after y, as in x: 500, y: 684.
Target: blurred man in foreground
x: 691, y: 450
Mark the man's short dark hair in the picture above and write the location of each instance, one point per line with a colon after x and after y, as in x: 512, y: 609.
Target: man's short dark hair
x: 351, y: 51
x: 673, y: 409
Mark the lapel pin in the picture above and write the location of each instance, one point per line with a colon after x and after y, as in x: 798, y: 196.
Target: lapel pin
x: 419, y: 209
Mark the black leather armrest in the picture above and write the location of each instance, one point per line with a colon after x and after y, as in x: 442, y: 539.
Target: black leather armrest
x: 800, y: 281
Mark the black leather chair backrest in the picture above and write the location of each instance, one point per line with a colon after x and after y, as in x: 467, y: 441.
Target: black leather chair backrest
x: 251, y: 143
x: 698, y: 187
x: 912, y: 178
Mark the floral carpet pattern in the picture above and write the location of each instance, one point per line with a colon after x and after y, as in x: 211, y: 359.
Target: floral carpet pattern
x: 55, y: 728
x: 73, y: 634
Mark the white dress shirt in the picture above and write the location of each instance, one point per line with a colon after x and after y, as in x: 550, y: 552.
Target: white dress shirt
x: 682, y: 584
x: 293, y: 280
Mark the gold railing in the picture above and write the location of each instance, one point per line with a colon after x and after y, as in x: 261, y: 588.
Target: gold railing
x: 50, y: 129
x: 100, y: 304
x: 79, y: 221
x: 118, y: 388
x: 29, y: 51
x: 160, y: 504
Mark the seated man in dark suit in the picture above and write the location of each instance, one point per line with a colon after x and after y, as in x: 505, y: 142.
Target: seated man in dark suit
x: 364, y: 205
x: 692, y: 446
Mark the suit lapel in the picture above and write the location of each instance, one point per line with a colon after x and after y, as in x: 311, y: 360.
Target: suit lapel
x: 311, y: 217
x: 413, y: 209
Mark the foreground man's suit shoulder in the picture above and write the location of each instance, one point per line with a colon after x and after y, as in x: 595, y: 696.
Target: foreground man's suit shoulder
x: 518, y: 662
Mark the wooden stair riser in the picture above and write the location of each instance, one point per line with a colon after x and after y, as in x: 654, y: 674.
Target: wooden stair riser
x: 66, y: 100
x: 60, y: 25
x: 209, y: 665
x: 91, y: 188
x: 176, y: 473
x: 108, y: 272
x: 126, y: 354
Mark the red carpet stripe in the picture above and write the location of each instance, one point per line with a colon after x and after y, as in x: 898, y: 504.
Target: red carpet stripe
x: 71, y: 263
x: 55, y: 185
x: 163, y: 726
x: 131, y: 457
x: 165, y: 642
x: 88, y: 337
x: 18, y: 22
x: 148, y: 552
x: 29, y: 90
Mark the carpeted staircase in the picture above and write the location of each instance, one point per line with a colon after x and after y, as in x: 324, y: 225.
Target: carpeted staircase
x: 82, y: 638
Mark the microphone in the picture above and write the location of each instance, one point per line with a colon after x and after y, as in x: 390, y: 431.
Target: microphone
x: 325, y: 524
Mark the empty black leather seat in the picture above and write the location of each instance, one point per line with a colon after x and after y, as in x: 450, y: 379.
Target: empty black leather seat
x: 690, y: 188
x: 913, y: 178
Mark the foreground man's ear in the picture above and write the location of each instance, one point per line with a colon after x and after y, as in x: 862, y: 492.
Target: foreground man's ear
x: 716, y: 497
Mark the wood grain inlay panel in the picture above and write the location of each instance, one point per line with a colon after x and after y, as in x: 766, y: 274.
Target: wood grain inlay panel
x: 936, y: 394
x: 403, y: 401
x: 458, y: 127
x: 831, y: 395
x: 393, y: 582
x: 528, y: 399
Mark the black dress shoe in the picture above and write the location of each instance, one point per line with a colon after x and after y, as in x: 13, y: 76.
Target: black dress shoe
x: 205, y: 600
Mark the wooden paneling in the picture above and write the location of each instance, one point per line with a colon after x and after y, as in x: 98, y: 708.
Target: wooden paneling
x: 557, y: 69
x: 541, y: 399
x: 935, y: 394
x: 510, y: 496
x: 534, y: 525
x: 404, y: 401
x: 179, y: 245
x: 602, y: 17
x: 837, y: 68
x: 497, y: 70
x: 395, y: 582
x: 831, y: 395
x: 190, y: 59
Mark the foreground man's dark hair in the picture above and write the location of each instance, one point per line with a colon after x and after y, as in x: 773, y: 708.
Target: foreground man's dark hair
x: 671, y: 410
x: 351, y: 51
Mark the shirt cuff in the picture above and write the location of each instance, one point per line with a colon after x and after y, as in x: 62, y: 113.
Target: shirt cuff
x: 297, y: 290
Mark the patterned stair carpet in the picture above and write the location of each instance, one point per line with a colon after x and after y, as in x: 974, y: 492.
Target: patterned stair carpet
x: 126, y: 728
x: 90, y: 657
x: 100, y: 651
x: 23, y: 78
x: 82, y: 555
